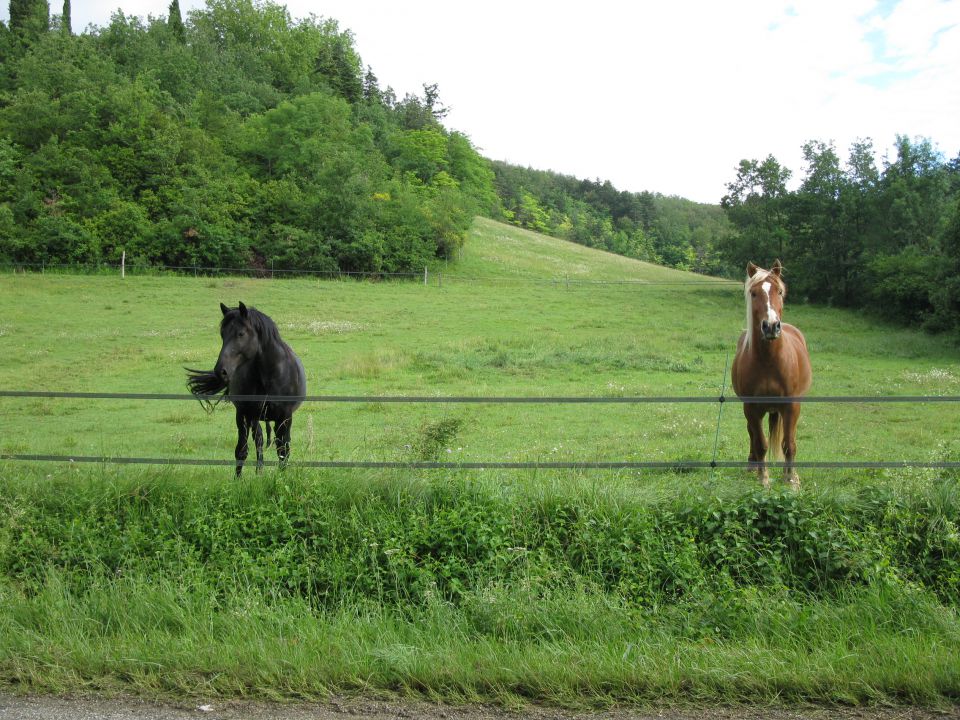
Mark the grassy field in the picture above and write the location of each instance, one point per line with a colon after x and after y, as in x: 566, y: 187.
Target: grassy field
x: 509, y: 334
x: 570, y: 587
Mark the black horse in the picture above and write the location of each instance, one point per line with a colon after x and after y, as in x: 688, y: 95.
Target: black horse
x: 254, y: 361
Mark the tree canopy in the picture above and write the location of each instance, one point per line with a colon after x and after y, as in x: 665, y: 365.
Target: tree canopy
x: 239, y: 136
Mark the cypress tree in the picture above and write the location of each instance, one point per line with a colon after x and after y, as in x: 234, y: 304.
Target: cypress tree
x: 175, y: 21
x: 65, y: 23
x: 29, y: 19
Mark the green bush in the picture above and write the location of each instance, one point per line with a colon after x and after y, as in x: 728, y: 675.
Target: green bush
x: 294, y: 537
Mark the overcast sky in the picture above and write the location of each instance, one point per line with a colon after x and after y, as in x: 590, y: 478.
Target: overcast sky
x: 666, y: 96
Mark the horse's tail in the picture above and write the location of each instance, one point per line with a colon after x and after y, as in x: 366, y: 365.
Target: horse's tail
x: 206, y: 384
x: 775, y: 446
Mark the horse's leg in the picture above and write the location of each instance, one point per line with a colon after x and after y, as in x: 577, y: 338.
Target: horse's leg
x: 258, y: 442
x: 243, y: 431
x: 282, y: 432
x: 758, y: 442
x: 791, y: 416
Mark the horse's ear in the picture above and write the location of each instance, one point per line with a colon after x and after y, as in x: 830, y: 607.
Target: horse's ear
x: 777, y: 268
x: 243, y: 310
x: 224, y: 309
x: 751, y: 269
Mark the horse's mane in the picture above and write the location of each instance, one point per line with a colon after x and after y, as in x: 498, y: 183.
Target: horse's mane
x: 266, y: 328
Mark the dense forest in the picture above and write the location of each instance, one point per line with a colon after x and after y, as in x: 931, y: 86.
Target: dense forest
x: 239, y: 137
x: 242, y: 137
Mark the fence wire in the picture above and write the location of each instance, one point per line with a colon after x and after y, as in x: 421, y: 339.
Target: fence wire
x: 419, y: 277
x: 501, y: 399
x: 676, y: 466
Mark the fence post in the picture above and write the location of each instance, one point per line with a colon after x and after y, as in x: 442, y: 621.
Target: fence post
x: 123, y: 264
x: 439, y: 279
x: 425, y: 275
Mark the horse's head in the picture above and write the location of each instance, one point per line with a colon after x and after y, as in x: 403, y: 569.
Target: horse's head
x: 241, y: 342
x: 764, y: 291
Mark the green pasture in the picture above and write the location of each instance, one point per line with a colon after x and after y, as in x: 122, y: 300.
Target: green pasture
x: 572, y: 587
x: 520, y: 314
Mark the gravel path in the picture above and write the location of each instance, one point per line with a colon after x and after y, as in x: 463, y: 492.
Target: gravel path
x: 59, y: 708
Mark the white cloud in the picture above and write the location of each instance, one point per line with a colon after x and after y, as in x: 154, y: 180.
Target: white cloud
x: 660, y: 96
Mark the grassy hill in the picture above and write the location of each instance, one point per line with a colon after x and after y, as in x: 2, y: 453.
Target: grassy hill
x: 562, y: 586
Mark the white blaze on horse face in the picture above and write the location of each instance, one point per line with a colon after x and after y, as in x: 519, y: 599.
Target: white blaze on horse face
x: 771, y: 313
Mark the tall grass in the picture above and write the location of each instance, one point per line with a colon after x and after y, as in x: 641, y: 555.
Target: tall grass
x: 475, y: 589
x: 872, y: 645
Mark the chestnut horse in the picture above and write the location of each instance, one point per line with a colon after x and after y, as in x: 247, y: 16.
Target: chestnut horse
x: 771, y: 361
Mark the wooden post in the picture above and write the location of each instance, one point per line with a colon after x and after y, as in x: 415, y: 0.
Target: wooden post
x: 424, y: 275
x: 123, y: 264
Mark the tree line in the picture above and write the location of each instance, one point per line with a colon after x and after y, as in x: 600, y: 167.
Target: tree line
x: 851, y: 234
x: 239, y: 137
x: 647, y: 226
x: 856, y: 235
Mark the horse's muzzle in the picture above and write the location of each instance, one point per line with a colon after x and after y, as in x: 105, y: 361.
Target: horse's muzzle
x: 771, y: 331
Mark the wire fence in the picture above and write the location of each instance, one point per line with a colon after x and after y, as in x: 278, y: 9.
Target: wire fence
x: 675, y: 466
x: 671, y: 465
x: 426, y: 276
x: 516, y: 399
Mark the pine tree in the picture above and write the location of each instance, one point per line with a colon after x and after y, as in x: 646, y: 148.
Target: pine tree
x: 371, y: 87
